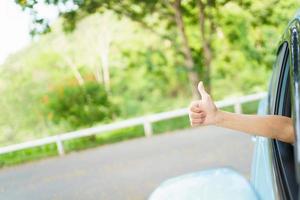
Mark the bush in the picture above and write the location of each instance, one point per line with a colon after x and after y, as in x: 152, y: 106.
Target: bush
x: 79, y: 106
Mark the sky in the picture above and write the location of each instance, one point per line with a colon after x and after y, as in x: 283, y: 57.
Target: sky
x: 15, y: 26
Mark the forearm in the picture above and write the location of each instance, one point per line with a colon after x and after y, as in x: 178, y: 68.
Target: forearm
x: 272, y: 126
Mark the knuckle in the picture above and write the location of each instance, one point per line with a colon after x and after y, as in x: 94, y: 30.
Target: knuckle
x: 195, y: 121
x: 194, y: 103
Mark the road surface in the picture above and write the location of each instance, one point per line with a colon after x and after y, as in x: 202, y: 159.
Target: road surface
x: 127, y: 170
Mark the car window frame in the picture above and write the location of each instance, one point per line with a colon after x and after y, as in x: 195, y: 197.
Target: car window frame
x: 275, y: 83
x: 283, y: 152
x: 288, y: 173
x: 295, y: 75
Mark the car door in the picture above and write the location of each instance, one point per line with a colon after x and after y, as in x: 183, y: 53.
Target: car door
x: 263, y: 176
x: 282, y: 101
x: 273, y: 170
x: 283, y: 153
x: 295, y: 92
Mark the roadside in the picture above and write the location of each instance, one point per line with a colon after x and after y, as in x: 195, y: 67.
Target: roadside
x: 130, y: 169
x: 50, y: 150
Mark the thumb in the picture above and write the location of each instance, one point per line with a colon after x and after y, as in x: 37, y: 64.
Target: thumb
x: 202, y: 90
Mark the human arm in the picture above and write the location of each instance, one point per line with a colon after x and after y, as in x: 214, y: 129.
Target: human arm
x: 205, y: 112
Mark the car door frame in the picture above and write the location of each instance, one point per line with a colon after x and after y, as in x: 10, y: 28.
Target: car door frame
x: 271, y: 172
x: 283, y: 153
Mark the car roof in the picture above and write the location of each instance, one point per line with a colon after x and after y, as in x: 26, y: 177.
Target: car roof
x: 285, y: 35
x: 297, y: 15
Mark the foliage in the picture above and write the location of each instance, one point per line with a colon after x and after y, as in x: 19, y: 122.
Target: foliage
x: 36, y: 153
x: 27, y: 76
x: 79, y: 106
x: 147, y: 66
x: 26, y: 155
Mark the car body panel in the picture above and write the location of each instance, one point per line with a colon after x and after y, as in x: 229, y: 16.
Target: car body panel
x: 262, y: 171
x: 273, y: 169
x: 219, y: 183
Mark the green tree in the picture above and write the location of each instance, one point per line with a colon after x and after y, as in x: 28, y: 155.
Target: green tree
x: 79, y: 106
x: 181, y: 16
x: 167, y: 13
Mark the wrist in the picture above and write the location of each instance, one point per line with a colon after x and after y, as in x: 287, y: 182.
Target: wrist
x: 219, y: 117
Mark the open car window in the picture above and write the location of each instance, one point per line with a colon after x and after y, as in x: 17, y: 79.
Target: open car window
x: 281, y: 105
x: 285, y: 100
x: 277, y: 70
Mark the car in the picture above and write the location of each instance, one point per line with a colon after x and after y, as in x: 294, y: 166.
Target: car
x: 275, y: 171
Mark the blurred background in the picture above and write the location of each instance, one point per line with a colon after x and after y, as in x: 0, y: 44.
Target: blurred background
x: 67, y: 65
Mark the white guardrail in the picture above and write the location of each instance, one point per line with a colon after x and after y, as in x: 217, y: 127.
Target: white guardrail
x: 146, y: 121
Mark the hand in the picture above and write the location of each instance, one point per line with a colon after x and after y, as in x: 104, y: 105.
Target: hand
x: 204, y: 111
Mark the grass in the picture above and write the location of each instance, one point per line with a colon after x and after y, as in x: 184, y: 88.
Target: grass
x: 50, y: 150
x: 106, y: 138
x: 251, y: 107
x: 171, y: 125
x: 78, y: 144
x: 26, y: 155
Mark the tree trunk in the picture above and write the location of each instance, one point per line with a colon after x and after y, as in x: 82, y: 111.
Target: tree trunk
x: 104, y: 54
x: 98, y: 74
x: 75, y: 71
x: 206, y: 44
x: 105, y: 67
x: 189, y: 62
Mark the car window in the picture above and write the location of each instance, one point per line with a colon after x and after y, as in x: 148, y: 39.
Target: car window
x: 283, y: 105
x: 280, y: 104
x: 277, y: 70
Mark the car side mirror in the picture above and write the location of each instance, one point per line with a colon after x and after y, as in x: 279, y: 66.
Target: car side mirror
x: 223, y: 183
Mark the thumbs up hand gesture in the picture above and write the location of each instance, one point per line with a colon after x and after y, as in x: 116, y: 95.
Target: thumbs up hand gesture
x: 204, y: 111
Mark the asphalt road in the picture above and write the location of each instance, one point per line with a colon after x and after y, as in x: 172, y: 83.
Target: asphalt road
x: 127, y: 170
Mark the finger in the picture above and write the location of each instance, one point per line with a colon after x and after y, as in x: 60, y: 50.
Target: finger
x: 195, y: 124
x: 194, y: 115
x: 202, y: 91
x: 197, y: 115
x: 194, y: 106
x: 195, y: 109
x: 198, y: 121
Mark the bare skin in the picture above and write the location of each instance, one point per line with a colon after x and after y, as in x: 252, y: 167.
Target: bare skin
x: 204, y: 112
